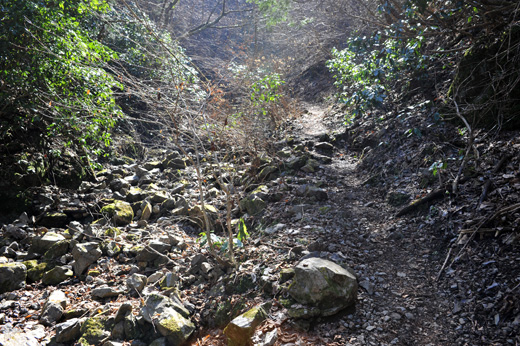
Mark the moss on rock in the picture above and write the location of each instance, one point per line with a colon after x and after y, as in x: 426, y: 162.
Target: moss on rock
x: 36, y: 270
x: 92, y: 331
x: 120, y: 211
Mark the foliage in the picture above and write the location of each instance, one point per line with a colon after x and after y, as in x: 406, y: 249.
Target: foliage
x: 416, y: 42
x: 437, y: 166
x: 220, y: 243
x: 53, y: 74
x: 273, y: 11
x: 247, y: 110
x: 70, y: 68
x: 266, y: 91
x: 367, y: 70
x: 242, y: 231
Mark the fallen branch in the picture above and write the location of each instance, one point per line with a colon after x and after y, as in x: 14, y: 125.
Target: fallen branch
x: 441, y: 192
x: 483, y: 231
x: 432, y: 196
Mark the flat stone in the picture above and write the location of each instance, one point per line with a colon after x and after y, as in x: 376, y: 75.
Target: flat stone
x: 57, y: 250
x: 124, y: 310
x: 150, y: 165
x: 147, y: 211
x: 159, y: 196
x: 253, y: 204
x: 296, y: 162
x: 135, y: 194
x: 152, y: 251
x: 54, y: 219
x: 93, y: 331
x: 169, y: 280
x: 274, y: 229
x: 159, y: 342
x: 17, y: 337
x: 105, y: 292
x: 51, y: 313
x: 324, y: 146
x: 120, y: 211
x: 206, y: 267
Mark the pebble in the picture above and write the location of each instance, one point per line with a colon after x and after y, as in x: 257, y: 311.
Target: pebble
x: 395, y: 316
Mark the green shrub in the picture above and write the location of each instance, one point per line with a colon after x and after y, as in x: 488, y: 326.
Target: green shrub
x: 53, y: 75
x: 367, y: 70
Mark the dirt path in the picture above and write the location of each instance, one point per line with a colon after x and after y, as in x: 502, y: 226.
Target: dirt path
x: 397, y: 260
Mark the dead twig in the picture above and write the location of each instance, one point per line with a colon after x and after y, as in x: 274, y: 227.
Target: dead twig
x: 512, y: 208
x: 444, y: 264
x: 489, y: 182
x: 471, y: 140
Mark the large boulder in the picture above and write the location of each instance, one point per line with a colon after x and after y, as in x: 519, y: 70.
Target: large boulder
x: 169, y: 316
x: 322, y: 284
x: 240, y: 330
x: 12, y: 276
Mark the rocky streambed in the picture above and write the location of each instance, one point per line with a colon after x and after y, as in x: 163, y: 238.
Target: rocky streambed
x: 121, y: 259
